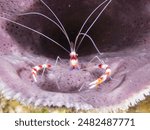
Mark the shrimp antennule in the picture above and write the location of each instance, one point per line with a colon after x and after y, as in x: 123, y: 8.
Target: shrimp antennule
x: 77, y: 37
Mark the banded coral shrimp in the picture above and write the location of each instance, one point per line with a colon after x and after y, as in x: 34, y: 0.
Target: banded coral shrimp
x: 74, y: 63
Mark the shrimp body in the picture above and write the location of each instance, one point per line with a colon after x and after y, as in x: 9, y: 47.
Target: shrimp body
x: 74, y: 60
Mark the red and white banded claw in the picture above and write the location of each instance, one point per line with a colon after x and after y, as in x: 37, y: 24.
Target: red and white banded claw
x: 102, y: 78
x: 37, y: 68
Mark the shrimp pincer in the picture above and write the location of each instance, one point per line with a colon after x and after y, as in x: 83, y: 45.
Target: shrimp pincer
x: 102, y: 78
x: 37, y: 68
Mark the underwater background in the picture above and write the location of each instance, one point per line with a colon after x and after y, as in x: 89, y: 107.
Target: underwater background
x: 121, y: 38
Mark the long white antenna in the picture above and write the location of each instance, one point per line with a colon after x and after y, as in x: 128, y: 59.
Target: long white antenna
x: 3, y: 18
x: 93, y: 21
x: 37, y: 13
x: 58, y: 21
x: 92, y: 42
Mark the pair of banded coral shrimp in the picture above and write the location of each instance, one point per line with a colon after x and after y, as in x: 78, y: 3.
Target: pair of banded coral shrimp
x: 74, y: 63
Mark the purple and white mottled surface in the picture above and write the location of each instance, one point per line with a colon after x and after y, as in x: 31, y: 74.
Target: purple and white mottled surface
x: 122, y: 34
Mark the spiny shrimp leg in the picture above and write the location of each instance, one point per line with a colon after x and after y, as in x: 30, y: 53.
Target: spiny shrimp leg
x: 58, y: 58
x: 38, y: 68
x: 102, y: 78
x: 96, y: 57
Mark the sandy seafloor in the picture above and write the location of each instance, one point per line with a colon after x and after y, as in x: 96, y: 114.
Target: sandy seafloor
x: 11, y: 106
